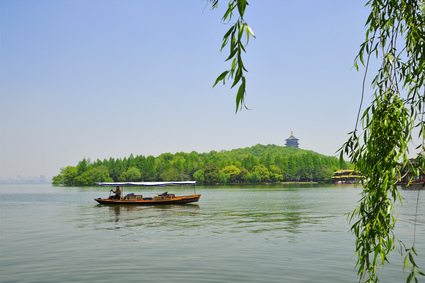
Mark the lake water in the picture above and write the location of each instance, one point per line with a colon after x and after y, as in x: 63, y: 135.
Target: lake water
x: 233, y: 234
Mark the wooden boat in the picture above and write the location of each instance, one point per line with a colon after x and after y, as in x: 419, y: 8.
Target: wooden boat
x: 161, y: 199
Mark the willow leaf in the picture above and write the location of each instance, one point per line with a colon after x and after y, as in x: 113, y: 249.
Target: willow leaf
x: 221, y: 78
x: 240, y: 95
x: 241, y: 7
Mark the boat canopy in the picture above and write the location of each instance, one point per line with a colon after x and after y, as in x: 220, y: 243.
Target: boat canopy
x: 147, y: 184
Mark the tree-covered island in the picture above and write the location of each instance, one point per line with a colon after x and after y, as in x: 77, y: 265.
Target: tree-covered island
x: 259, y: 163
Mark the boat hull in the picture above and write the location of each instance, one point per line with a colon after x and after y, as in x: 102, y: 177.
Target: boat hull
x: 154, y: 201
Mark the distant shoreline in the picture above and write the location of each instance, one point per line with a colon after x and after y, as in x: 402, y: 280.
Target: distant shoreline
x: 233, y: 184
x: 24, y: 183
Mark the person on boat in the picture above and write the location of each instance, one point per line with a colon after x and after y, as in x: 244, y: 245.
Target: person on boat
x: 117, y: 193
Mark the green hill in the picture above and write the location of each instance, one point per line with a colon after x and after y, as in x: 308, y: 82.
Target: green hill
x: 259, y: 163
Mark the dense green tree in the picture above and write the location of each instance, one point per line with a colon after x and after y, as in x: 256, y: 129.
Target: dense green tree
x: 82, y: 166
x: 253, y: 177
x: 242, y: 175
x: 275, y: 173
x: 263, y: 172
x: 123, y: 177
x: 222, y: 177
x: 305, y: 174
x: 323, y: 174
x: 149, y: 171
x: 117, y: 170
x: 69, y: 174
x: 249, y: 162
x: 131, y: 162
x: 266, y: 160
x: 100, y: 174
x: 58, y: 180
x: 232, y: 173
x: 133, y: 174
x: 170, y: 174
x: 223, y: 164
x: 195, y: 162
x: 293, y: 167
x: 179, y: 163
x: 211, y: 173
x: 140, y: 162
x: 111, y: 165
x: 317, y: 163
x: 183, y: 176
x: 199, y: 176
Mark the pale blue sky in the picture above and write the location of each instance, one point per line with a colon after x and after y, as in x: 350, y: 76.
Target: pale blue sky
x: 107, y: 78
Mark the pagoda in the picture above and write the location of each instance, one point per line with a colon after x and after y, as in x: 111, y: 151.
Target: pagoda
x: 292, y: 141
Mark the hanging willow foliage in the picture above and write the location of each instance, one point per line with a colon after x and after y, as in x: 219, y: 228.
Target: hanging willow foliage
x: 237, y: 37
x: 395, y: 34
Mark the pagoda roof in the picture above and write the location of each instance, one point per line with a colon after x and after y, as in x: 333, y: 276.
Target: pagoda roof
x: 292, y: 138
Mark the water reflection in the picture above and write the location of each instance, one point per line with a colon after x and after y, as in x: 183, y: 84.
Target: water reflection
x: 127, y: 216
x: 116, y: 211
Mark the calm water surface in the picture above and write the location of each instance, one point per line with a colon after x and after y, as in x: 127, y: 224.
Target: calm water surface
x: 233, y: 234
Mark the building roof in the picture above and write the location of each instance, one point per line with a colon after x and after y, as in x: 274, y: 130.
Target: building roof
x: 292, y: 136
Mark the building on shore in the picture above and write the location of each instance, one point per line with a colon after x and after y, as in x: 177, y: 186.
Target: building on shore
x: 292, y: 141
x: 345, y: 177
x: 409, y: 177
